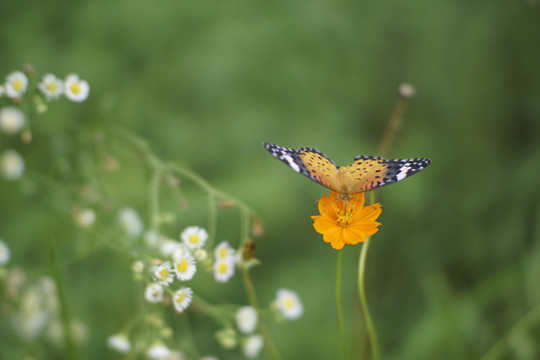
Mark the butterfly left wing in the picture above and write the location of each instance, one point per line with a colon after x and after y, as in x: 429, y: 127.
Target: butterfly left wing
x: 308, y: 162
x: 371, y: 172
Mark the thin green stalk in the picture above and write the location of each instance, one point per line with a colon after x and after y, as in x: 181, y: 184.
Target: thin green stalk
x: 71, y: 349
x: 363, y: 300
x: 339, y: 310
x: 269, y: 347
x: 500, y: 349
x: 153, y: 200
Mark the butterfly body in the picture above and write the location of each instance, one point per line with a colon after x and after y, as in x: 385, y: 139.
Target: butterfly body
x: 365, y: 173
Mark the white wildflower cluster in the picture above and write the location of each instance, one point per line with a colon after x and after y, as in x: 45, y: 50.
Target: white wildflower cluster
x: 51, y: 87
x: 36, y: 307
x: 247, y: 320
x: 169, y: 272
x: 13, y: 120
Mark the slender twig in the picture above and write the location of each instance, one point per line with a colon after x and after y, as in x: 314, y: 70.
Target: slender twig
x: 339, y: 310
x: 363, y: 300
x: 501, y: 347
x: 65, y: 315
x: 269, y: 347
x: 406, y: 92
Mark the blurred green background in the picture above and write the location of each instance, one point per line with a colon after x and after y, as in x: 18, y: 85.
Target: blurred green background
x: 456, y: 262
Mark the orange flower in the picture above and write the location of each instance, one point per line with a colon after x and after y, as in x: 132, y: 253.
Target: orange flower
x: 346, y: 222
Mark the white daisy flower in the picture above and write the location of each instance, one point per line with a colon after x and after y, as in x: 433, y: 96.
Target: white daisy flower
x: 224, y: 251
x: 152, y: 239
x: 12, y: 164
x: 76, y: 89
x: 184, y: 267
x: 289, y: 304
x: 137, y: 267
x: 120, y: 343
x: 158, y: 351
x: 201, y: 254
x: 153, y: 293
x: 12, y: 120
x: 163, y: 274
x: 130, y: 221
x: 16, y: 83
x: 51, y: 87
x: 223, y: 270
x: 252, y: 345
x: 246, y: 319
x: 85, y: 218
x: 194, y: 237
x: 5, y: 254
x: 180, y: 251
x: 168, y: 246
x: 182, y: 298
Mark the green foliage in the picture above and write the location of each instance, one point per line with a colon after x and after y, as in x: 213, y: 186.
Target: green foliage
x: 454, y: 266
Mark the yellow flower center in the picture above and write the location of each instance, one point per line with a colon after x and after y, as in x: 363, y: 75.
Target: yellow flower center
x: 193, y: 239
x: 222, y: 268
x: 75, y: 88
x: 223, y: 253
x: 289, y: 303
x: 53, y: 87
x: 180, y: 297
x: 345, y: 216
x: 18, y: 85
x: 163, y: 274
x: 182, y: 265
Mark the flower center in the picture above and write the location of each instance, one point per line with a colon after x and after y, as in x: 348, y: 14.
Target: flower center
x: 289, y: 303
x: 193, y: 239
x: 182, y: 265
x: 222, y: 268
x: 223, y: 253
x: 53, y: 87
x: 164, y: 274
x: 180, y: 297
x: 18, y: 85
x: 345, y: 216
x: 75, y: 88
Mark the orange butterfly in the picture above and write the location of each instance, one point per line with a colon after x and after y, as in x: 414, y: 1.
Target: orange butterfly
x: 365, y: 173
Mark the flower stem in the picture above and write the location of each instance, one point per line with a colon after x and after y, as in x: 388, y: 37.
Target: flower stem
x: 394, y: 123
x: 269, y: 346
x: 500, y: 349
x: 362, y: 293
x: 339, y: 311
x: 70, y: 348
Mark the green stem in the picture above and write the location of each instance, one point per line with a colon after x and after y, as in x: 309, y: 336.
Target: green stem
x: 339, y: 310
x: 362, y: 293
x: 153, y: 200
x: 501, y: 347
x: 71, y: 349
x: 269, y: 347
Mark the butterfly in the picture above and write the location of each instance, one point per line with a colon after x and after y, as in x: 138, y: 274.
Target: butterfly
x: 365, y: 173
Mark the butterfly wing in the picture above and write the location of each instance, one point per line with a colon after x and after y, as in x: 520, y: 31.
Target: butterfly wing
x: 308, y: 162
x: 371, y: 172
x: 365, y: 173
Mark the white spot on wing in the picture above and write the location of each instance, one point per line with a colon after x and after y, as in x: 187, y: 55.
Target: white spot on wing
x: 291, y: 163
x: 403, y: 172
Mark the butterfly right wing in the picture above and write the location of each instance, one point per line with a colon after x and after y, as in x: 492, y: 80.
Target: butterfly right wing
x: 308, y: 162
x: 371, y: 172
